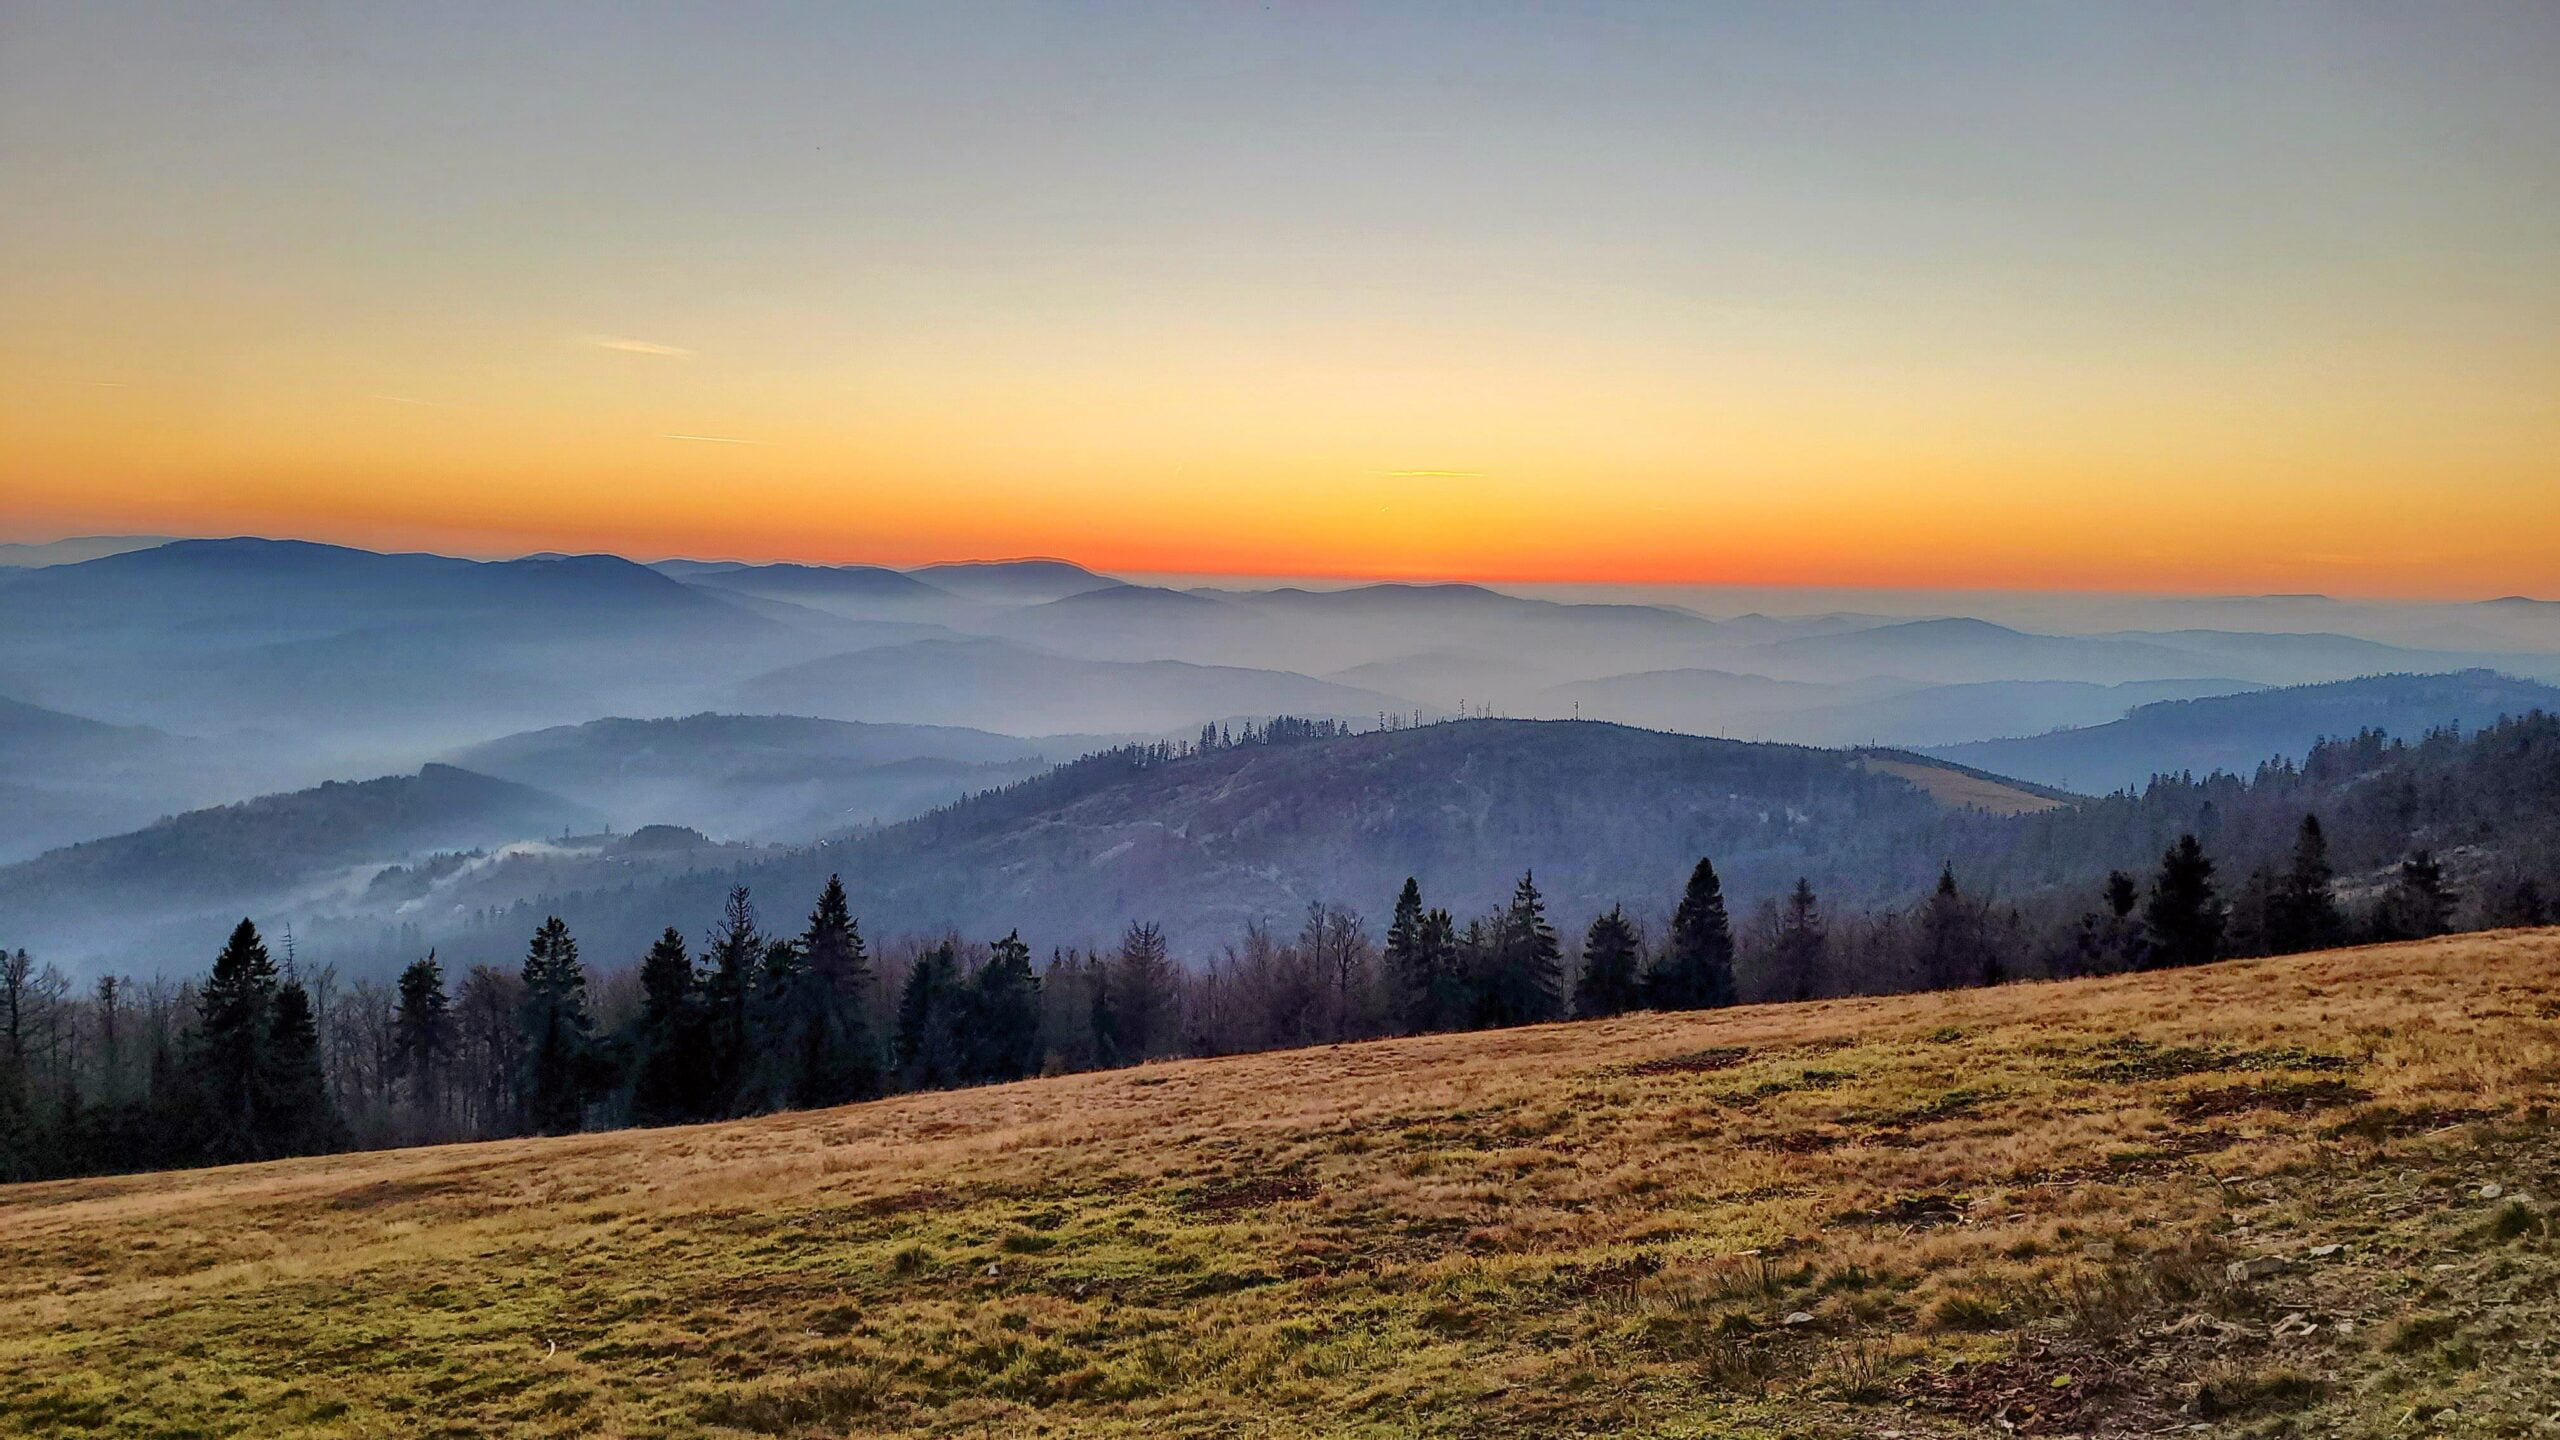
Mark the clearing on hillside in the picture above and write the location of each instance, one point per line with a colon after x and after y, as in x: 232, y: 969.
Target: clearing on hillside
x: 2292, y: 1196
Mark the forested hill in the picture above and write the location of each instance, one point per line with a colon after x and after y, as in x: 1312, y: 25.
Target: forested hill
x: 253, y: 848
x: 1205, y: 843
x: 2233, y: 733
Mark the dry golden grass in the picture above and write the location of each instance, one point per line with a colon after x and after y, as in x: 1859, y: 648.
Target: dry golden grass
x: 1962, y: 791
x: 1985, y: 1210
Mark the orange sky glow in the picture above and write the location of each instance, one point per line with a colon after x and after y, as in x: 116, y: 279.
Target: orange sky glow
x: 2195, y: 304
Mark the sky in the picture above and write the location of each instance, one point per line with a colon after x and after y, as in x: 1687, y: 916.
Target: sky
x: 2160, y: 297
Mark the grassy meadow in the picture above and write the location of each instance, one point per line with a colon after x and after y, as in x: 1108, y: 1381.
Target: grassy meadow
x: 2297, y: 1196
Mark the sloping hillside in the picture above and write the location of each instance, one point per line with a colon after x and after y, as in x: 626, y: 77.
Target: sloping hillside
x: 2236, y: 733
x: 1208, y: 844
x: 2305, y: 1196
x: 232, y: 855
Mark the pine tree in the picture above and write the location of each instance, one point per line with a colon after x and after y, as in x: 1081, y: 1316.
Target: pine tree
x: 2419, y: 904
x: 839, y: 1060
x: 295, y: 1113
x: 2183, y: 920
x: 1003, y: 1015
x: 1609, y: 984
x: 669, y: 1083
x: 1525, y: 971
x: 2302, y: 913
x: 1452, y: 978
x: 1954, y: 938
x: 1408, y: 962
x: 422, y: 1036
x: 1697, y: 972
x: 930, y: 1012
x: 234, y: 1020
x: 737, y: 948
x: 559, y: 1062
x: 783, y: 1027
x: 1803, y: 945
x: 1141, y: 994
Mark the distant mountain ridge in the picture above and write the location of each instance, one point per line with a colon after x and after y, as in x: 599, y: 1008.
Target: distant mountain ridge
x: 2235, y: 733
x: 766, y: 777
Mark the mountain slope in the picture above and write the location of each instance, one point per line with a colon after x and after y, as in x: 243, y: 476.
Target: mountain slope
x: 2236, y: 733
x: 1969, y: 1214
x: 1207, y: 844
x: 233, y: 856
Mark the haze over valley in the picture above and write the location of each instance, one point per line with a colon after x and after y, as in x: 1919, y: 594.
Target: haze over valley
x: 561, y: 705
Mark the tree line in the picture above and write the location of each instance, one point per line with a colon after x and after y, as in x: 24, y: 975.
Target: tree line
x: 256, y: 1059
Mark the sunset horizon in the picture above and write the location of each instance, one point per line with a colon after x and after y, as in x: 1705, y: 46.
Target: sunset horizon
x: 2192, y: 302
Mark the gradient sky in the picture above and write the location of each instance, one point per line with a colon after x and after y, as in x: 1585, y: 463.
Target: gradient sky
x: 2159, y: 297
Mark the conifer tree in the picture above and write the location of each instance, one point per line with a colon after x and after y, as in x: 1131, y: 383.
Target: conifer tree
x: 2419, y: 904
x: 1803, y: 945
x: 669, y: 1083
x: 2302, y: 913
x: 931, y: 1010
x: 2183, y: 920
x: 1609, y: 983
x: 234, y: 1020
x: 1408, y: 963
x: 1003, y: 1015
x: 559, y: 1060
x: 1141, y: 994
x: 1451, y: 978
x: 839, y: 1060
x: 422, y: 1036
x: 1953, y: 948
x: 729, y: 994
x: 1525, y: 970
x: 295, y: 1112
x: 1697, y: 972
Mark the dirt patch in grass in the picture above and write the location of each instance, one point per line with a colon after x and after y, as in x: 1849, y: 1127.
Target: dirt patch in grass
x: 2292, y: 1097
x: 2128, y: 1059
x: 1696, y: 1062
x: 1246, y: 1192
x: 1911, y: 1212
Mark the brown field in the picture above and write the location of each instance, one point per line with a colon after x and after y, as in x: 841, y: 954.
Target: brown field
x: 1956, y: 788
x: 1985, y: 1212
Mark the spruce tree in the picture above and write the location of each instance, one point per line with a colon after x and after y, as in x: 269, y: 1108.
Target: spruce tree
x: 2183, y: 920
x: 1954, y: 948
x: 422, y: 1037
x: 1697, y: 972
x: 669, y: 1083
x: 1525, y: 972
x: 931, y: 1010
x: 839, y: 1060
x: 2419, y: 904
x: 1408, y: 963
x: 1609, y: 983
x: 729, y: 994
x: 1452, y: 985
x: 1141, y: 994
x: 1803, y: 946
x: 295, y: 1113
x: 234, y: 1022
x: 559, y: 1062
x: 2302, y: 911
x: 1003, y: 1015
